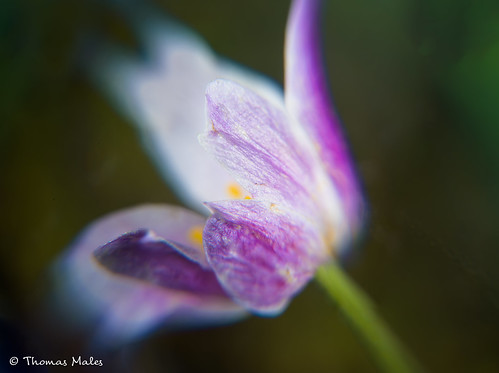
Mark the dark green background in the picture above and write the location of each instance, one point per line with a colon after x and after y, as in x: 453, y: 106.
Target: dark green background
x: 417, y: 85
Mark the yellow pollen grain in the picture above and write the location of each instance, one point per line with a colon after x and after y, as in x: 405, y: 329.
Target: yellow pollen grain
x: 234, y: 191
x: 196, y: 235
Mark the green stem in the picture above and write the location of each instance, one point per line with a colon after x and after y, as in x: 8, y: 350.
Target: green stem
x: 389, y: 354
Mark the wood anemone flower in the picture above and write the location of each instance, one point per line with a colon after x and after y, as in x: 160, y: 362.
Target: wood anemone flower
x: 273, y: 168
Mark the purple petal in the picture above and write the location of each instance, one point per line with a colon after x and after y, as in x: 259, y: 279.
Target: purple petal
x: 261, y: 253
x: 307, y: 98
x: 256, y: 142
x: 118, y: 304
x: 145, y: 256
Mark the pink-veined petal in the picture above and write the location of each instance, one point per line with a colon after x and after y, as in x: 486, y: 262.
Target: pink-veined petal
x: 119, y: 306
x: 307, y: 97
x: 253, y: 139
x: 262, y: 255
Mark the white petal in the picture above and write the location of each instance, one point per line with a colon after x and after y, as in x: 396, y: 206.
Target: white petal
x: 164, y: 97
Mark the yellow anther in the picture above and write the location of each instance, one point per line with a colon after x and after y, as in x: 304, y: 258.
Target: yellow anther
x: 234, y: 191
x: 196, y: 235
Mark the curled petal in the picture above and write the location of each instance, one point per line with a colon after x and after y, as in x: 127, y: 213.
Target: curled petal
x: 145, y: 256
x: 157, y: 272
x: 262, y: 253
x: 307, y: 98
x: 163, y: 95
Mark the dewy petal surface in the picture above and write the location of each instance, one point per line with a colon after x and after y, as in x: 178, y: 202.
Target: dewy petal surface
x: 262, y: 255
x: 120, y: 305
x: 163, y: 94
x: 307, y: 98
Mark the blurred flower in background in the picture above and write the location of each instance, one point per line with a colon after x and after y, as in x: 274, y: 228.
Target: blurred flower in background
x: 414, y: 83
